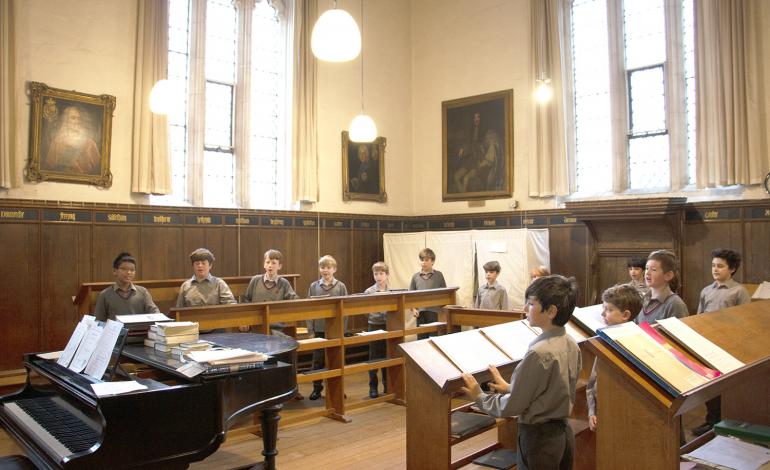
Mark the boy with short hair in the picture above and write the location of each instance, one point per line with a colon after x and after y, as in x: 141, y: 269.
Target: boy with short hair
x: 722, y: 293
x: 378, y: 321
x: 270, y: 286
x: 636, y: 268
x: 203, y: 288
x: 621, y: 304
x: 491, y: 295
x: 542, y: 388
x: 327, y: 286
x: 661, y: 301
x: 123, y: 297
x: 426, y: 278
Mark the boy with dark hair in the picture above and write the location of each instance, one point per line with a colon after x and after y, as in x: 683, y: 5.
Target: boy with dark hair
x: 203, y: 288
x: 491, y: 295
x: 426, y: 278
x: 123, y: 297
x: 722, y: 293
x: 636, y: 268
x: 621, y: 304
x: 542, y: 388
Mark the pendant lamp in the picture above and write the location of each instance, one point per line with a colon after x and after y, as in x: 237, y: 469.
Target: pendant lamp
x: 362, y: 127
x: 335, y: 36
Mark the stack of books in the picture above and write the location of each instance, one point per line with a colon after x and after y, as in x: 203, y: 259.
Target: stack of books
x: 222, y: 360
x: 164, y: 336
x: 184, y: 348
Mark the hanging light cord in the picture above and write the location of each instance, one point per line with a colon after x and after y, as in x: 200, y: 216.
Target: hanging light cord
x: 362, y: 56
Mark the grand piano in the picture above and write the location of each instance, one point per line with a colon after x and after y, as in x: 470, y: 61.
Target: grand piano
x: 61, y: 423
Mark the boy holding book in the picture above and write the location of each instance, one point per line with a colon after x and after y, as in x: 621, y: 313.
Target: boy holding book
x: 426, y: 278
x: 724, y: 292
x: 327, y: 286
x: 542, y: 388
x: 378, y: 321
x: 492, y: 296
x: 621, y: 304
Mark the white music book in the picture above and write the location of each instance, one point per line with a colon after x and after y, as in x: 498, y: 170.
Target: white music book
x: 100, y: 358
x: 72, y: 344
x: 116, y: 388
x: 700, y: 346
x: 590, y: 317
x: 142, y: 318
x: 512, y: 338
x: 470, y: 351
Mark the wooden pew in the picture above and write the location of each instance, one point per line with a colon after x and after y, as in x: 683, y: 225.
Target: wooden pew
x: 164, y: 291
x: 333, y: 310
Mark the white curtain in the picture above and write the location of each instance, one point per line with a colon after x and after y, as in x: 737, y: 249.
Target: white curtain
x: 304, y: 106
x: 151, y: 164
x: 401, y: 252
x: 7, y: 95
x: 731, y: 127
x: 243, y: 106
x: 549, y: 162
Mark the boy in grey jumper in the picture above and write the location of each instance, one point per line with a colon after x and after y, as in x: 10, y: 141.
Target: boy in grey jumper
x: 427, y: 278
x: 378, y: 321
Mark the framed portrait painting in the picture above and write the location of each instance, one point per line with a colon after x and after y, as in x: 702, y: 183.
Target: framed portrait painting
x: 363, y: 170
x: 477, y: 141
x: 70, y: 136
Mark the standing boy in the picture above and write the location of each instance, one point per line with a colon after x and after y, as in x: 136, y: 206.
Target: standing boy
x: 378, y: 321
x: 269, y: 287
x: 491, y: 296
x: 327, y: 286
x: 636, y: 273
x: 427, y: 278
x: 123, y: 297
x: 722, y: 293
x: 621, y: 304
x: 542, y: 388
x: 203, y: 288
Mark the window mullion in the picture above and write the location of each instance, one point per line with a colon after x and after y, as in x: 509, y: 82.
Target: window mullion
x: 242, y: 140
x: 676, y: 115
x: 618, y: 96
x: 196, y: 121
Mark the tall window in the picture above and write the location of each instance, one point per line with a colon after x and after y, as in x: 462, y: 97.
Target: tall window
x: 634, y: 97
x: 228, y: 137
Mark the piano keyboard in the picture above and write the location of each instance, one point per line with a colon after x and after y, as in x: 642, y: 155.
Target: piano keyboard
x: 55, y: 423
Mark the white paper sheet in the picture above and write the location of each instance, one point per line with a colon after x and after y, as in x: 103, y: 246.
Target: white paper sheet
x: 590, y: 316
x: 373, y: 332
x: 116, y: 388
x: 733, y: 453
x: 142, y: 318
x: 51, y: 355
x: 86, y: 348
x: 512, y: 338
x: 100, y: 359
x: 72, y: 344
x: 709, y: 352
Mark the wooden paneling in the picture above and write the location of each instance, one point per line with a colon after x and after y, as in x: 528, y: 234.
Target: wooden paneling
x: 20, y: 274
x: 211, y: 238
x: 162, y: 254
x: 570, y: 250
x: 108, y: 242
x: 756, y: 260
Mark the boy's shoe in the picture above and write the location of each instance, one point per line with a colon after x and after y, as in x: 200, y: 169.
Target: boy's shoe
x: 316, y: 394
x: 702, y: 429
x: 373, y: 392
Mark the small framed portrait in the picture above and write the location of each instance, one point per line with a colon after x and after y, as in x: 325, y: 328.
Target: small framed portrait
x: 70, y: 136
x: 363, y: 170
x: 477, y: 141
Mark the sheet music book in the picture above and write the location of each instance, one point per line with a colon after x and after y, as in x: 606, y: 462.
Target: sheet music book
x: 652, y: 358
x: 128, y: 320
x: 729, y: 452
x: 699, y: 346
x: 100, y: 359
x: 763, y: 291
x: 577, y: 334
x: 72, y: 345
x: 86, y: 348
x: 470, y: 351
x: 589, y: 318
x: 512, y: 338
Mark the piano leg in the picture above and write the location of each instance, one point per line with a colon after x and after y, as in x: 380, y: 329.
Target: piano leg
x: 269, y: 418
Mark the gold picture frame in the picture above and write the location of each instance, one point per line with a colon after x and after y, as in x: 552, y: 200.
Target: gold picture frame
x: 70, y: 136
x: 363, y: 170
x: 477, y: 147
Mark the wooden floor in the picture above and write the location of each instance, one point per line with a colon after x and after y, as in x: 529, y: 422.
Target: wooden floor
x: 375, y: 439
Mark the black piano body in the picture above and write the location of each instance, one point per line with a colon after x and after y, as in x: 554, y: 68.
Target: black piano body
x: 177, y: 420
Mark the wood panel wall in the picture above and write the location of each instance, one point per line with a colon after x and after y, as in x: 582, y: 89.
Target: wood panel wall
x: 51, y: 248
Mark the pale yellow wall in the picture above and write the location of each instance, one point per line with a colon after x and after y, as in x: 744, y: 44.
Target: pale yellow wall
x: 387, y: 99
x: 83, y: 45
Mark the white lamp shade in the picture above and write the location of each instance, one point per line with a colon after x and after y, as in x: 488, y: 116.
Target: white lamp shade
x: 363, y: 129
x: 544, y: 92
x: 336, y: 37
x: 160, y: 97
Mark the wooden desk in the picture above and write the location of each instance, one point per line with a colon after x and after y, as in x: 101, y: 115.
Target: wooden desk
x: 457, y: 317
x: 164, y: 291
x: 639, y: 422
x: 334, y: 310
